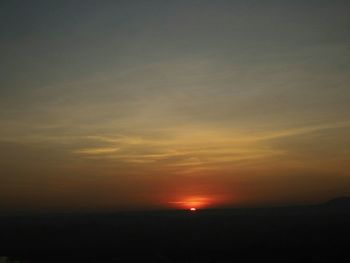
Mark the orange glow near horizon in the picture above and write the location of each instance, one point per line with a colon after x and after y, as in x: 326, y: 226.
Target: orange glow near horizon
x: 193, y: 203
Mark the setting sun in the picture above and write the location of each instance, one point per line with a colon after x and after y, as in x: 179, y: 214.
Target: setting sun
x: 192, y: 203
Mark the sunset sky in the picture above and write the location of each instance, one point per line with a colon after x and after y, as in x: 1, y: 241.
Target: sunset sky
x: 173, y: 104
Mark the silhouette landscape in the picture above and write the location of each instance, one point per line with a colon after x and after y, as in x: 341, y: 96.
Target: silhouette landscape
x: 314, y: 233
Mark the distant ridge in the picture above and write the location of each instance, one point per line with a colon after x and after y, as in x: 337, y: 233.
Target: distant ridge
x: 339, y: 202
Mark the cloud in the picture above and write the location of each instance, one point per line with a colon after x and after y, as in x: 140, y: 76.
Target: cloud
x: 96, y: 151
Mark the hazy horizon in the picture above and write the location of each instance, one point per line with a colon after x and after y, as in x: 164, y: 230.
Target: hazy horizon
x: 114, y: 105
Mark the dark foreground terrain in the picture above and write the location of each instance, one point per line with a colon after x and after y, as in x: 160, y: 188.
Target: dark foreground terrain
x: 292, y: 234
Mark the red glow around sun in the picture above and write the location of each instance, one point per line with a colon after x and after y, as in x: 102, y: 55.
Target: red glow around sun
x: 192, y: 203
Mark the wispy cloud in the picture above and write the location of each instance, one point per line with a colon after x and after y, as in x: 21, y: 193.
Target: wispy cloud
x: 96, y: 151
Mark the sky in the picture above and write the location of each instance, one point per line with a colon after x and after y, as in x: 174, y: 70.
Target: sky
x: 113, y: 105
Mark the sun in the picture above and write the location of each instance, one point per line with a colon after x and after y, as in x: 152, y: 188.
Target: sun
x: 192, y: 203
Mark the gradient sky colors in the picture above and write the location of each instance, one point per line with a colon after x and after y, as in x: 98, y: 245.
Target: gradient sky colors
x: 163, y: 104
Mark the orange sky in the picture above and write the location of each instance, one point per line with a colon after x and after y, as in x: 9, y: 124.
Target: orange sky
x: 171, y: 105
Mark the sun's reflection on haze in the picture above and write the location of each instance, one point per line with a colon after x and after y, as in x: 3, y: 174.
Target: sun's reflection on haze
x: 192, y: 203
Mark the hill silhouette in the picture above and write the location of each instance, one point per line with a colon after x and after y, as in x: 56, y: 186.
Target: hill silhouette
x: 340, y: 202
x: 316, y: 233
